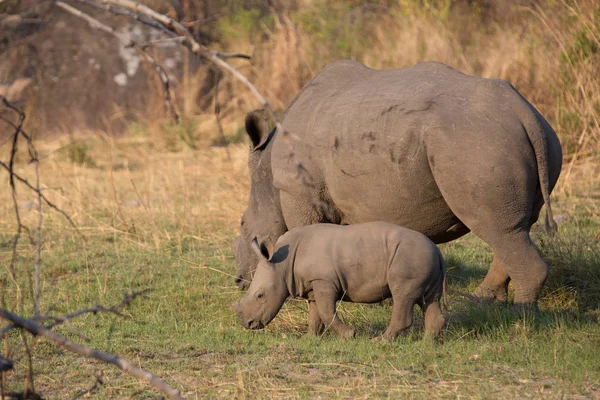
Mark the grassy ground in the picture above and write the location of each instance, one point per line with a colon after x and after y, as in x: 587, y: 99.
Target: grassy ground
x: 165, y: 221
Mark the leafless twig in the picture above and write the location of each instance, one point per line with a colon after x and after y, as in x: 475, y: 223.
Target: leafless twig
x: 127, y: 299
x: 64, y: 319
x: 39, y: 192
x: 89, y: 352
x: 97, y: 383
x: 217, y: 58
x: 128, y: 42
x: 218, y: 117
x: 128, y: 13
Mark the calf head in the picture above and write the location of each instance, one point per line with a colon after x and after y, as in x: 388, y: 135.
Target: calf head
x: 263, y: 218
x: 266, y: 294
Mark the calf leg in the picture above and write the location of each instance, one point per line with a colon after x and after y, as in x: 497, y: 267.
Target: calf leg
x: 315, y: 325
x: 402, y: 317
x: 325, y: 297
x: 434, y: 320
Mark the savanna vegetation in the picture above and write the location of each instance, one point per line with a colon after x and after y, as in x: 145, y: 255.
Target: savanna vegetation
x: 159, y: 204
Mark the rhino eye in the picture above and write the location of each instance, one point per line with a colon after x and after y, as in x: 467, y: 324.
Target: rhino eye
x: 259, y: 295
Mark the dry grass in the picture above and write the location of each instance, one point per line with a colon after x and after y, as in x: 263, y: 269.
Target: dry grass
x: 165, y: 220
x: 157, y: 214
x: 550, y: 53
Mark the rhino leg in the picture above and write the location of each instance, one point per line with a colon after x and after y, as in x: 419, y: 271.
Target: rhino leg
x: 495, y: 203
x: 523, y: 264
x: 325, y: 298
x: 402, y: 317
x: 315, y: 325
x: 495, y: 285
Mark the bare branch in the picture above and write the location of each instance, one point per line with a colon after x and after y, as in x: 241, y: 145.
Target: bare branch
x: 97, y: 383
x: 128, y: 13
x: 189, y: 41
x: 94, y: 23
x: 218, y: 117
x: 127, y: 299
x: 89, y: 352
x: 13, y: 152
x: 176, y: 39
x: 162, y: 74
x: 5, y: 364
x: 39, y: 192
x: 221, y: 54
x: 217, y: 58
x: 65, y: 319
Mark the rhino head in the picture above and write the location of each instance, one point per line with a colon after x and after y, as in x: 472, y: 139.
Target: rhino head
x: 262, y: 218
x: 267, y: 292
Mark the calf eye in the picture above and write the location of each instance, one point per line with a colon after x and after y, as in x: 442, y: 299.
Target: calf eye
x: 259, y: 295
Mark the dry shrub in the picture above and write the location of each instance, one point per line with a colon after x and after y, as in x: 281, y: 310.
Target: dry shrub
x: 575, y: 269
x: 549, y: 52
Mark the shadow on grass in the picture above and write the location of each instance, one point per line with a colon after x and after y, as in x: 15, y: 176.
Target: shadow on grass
x: 574, y: 259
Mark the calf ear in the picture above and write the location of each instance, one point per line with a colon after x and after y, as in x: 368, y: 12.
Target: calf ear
x: 257, y: 129
x: 260, y: 250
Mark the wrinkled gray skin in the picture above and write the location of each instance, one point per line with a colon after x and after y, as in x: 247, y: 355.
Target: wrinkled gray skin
x: 424, y: 147
x: 363, y: 263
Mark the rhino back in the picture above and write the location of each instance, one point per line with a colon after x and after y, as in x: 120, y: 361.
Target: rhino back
x: 363, y: 137
x: 368, y: 143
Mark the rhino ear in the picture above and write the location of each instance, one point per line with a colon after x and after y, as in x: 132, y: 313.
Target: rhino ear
x: 257, y: 129
x: 260, y: 250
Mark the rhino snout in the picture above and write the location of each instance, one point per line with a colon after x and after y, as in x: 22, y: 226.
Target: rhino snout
x: 253, y: 324
x: 241, y: 282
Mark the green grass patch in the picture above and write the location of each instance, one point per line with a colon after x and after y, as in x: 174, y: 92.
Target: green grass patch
x: 185, y: 331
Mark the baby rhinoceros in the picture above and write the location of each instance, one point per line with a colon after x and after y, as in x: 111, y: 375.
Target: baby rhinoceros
x: 361, y: 263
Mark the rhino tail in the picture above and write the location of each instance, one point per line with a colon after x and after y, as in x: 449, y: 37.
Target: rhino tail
x: 442, y: 265
x: 539, y: 142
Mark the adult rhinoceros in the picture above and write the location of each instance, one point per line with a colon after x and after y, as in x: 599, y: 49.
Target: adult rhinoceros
x: 425, y: 147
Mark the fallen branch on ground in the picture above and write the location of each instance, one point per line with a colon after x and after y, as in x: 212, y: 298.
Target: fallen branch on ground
x: 89, y: 352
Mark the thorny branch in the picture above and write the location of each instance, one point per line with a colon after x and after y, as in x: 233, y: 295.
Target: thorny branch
x: 89, y: 352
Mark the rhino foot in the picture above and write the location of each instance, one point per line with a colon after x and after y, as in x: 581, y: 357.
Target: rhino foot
x: 347, y: 333
x: 525, y: 309
x: 492, y: 294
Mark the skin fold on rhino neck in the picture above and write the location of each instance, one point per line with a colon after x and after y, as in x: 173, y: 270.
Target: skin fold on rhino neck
x: 263, y: 218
